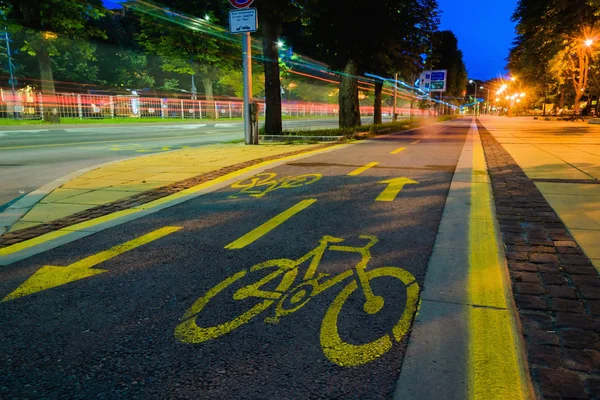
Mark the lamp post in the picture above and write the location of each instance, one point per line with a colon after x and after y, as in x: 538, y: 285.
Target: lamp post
x: 476, y: 103
x: 487, y: 107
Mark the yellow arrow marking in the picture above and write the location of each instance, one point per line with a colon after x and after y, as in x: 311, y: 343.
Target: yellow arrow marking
x: 397, y: 151
x: 268, y: 226
x: 394, y: 187
x: 50, y: 276
x: 362, y: 169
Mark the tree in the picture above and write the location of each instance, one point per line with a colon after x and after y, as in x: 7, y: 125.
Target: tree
x: 121, y: 59
x: 48, y: 23
x: 388, y: 31
x: 572, y: 63
x: 189, y: 45
x: 549, y: 48
x: 273, y: 14
x: 446, y: 55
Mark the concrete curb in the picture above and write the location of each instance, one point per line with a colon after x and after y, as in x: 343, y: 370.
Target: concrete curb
x: 440, y: 361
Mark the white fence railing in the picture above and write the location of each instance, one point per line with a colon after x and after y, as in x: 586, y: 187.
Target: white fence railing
x: 28, y: 105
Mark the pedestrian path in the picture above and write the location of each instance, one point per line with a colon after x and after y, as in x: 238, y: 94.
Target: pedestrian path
x: 563, y: 159
x: 120, y: 180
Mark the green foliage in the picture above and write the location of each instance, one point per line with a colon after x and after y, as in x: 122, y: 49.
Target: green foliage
x: 546, y: 52
x: 446, y: 55
x: 233, y: 78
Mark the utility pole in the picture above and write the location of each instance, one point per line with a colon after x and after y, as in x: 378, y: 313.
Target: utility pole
x: 247, y: 58
x: 394, y: 116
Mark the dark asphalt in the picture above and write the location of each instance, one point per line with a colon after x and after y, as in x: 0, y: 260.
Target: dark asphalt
x: 112, y: 336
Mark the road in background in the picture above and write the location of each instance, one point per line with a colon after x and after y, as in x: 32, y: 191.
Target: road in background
x: 31, y: 157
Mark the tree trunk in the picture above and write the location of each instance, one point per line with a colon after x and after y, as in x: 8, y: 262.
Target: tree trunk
x: 377, y: 117
x: 561, y: 100
x: 348, y: 99
x: 210, y: 98
x: 271, y: 27
x: 51, y: 110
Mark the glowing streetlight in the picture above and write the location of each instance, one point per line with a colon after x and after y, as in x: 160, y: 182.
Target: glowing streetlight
x: 280, y: 43
x: 472, y: 82
x: 589, y: 42
x: 207, y: 18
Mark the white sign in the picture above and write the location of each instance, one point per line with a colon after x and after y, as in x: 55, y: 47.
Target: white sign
x: 434, y: 81
x: 241, y: 21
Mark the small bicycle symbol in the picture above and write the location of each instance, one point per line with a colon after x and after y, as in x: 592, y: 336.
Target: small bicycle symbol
x: 260, y: 185
x: 288, y: 299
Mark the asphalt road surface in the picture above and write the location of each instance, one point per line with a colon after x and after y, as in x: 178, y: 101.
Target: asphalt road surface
x: 179, y: 317
x: 31, y: 157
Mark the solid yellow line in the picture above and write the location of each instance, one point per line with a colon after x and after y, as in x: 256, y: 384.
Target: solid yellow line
x: 268, y: 226
x: 15, y: 248
x: 398, y: 151
x: 495, y: 370
x: 362, y: 169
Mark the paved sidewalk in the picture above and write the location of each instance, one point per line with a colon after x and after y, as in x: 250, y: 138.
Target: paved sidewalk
x: 120, y: 182
x: 563, y: 159
x: 555, y: 286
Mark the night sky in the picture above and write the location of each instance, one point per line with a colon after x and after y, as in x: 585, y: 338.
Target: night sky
x: 484, y: 32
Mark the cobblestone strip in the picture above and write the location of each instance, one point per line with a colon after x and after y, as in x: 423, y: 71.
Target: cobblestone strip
x: 555, y: 286
x: 21, y: 235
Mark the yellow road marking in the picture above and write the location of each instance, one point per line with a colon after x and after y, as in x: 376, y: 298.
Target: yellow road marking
x: 268, y: 226
x: 494, y: 368
x: 398, y: 151
x: 394, y: 188
x: 362, y: 169
x: 416, y: 142
x: 15, y: 248
x: 50, y: 276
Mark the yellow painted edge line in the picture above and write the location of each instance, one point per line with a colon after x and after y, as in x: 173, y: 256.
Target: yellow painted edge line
x: 362, y: 169
x: 398, y: 151
x: 496, y: 369
x: 268, y: 226
x: 15, y: 248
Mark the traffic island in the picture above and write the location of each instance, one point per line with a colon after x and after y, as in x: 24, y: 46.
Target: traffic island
x: 556, y: 288
x: 133, y: 183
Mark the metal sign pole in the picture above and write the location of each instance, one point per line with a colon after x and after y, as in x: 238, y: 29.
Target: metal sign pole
x: 394, y: 118
x: 247, y: 58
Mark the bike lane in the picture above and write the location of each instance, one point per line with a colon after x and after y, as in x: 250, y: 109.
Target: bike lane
x: 131, y: 329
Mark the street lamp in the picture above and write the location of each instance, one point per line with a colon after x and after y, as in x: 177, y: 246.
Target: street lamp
x: 487, y: 108
x: 589, y: 42
x: 471, y: 81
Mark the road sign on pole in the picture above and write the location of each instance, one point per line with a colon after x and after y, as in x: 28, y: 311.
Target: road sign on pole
x: 241, y: 3
x: 242, y: 21
x: 433, y: 81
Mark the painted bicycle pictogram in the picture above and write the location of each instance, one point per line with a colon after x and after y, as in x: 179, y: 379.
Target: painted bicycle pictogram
x: 260, y: 185
x: 287, y: 299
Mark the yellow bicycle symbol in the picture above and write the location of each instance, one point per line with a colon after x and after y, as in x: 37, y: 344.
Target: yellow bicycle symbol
x: 262, y: 184
x: 287, y: 300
